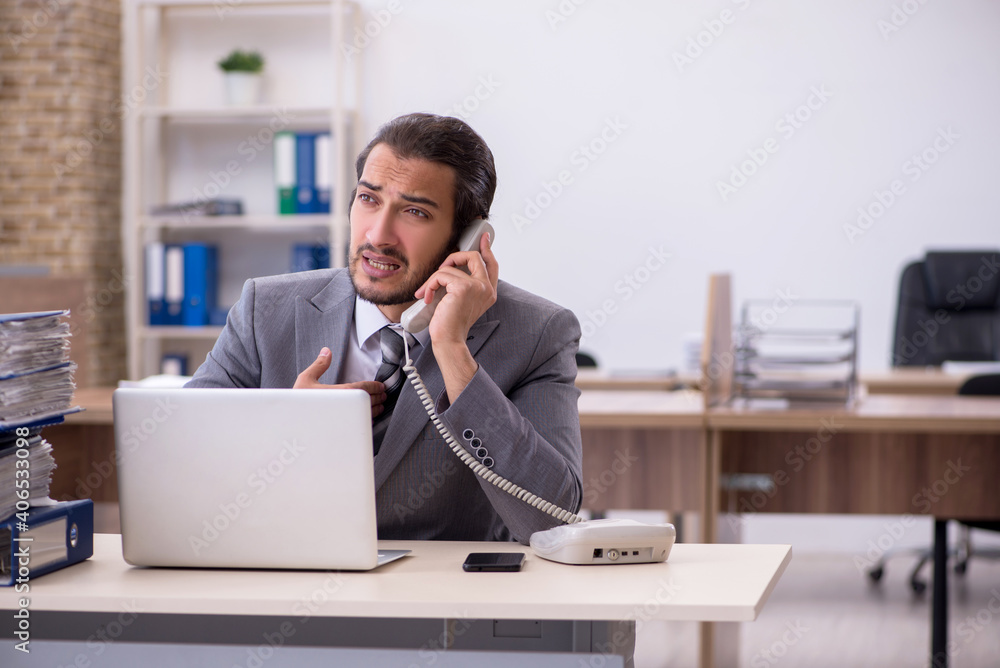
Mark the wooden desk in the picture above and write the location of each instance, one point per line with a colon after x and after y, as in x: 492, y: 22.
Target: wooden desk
x: 641, y: 408
x: 97, y: 404
x: 84, y: 449
x: 662, y: 432
x: 908, y: 381
x: 913, y: 381
x: 665, y: 428
x: 886, y: 455
x: 600, y: 379
x: 643, y: 449
x: 898, y: 455
x: 698, y: 582
x: 648, y: 449
x: 879, y: 455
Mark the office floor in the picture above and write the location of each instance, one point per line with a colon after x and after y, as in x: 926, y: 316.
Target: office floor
x: 824, y: 613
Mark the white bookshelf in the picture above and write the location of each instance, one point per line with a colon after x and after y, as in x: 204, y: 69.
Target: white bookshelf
x: 234, y: 114
x: 179, y: 136
x: 298, y: 223
x: 189, y: 333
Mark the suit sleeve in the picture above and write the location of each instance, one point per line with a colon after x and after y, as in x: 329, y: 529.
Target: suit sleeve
x: 532, y: 433
x: 234, y: 360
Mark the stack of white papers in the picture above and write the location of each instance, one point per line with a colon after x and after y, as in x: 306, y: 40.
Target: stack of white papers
x: 32, y: 341
x: 36, y: 389
x: 38, y: 467
x: 36, y: 375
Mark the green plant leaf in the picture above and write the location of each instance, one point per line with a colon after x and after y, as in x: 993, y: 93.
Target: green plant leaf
x: 242, y: 61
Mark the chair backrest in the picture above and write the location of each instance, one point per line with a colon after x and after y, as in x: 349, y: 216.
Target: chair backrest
x: 585, y: 360
x: 985, y: 385
x: 948, y: 309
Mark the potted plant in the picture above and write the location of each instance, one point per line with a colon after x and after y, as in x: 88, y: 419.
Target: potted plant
x: 243, y: 76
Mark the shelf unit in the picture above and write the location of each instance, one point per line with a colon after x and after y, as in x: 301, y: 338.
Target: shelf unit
x: 180, y: 138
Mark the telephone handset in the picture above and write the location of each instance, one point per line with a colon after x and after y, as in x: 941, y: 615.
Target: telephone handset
x: 418, y: 317
x: 576, y: 542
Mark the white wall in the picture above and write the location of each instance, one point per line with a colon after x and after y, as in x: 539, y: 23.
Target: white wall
x: 555, y: 86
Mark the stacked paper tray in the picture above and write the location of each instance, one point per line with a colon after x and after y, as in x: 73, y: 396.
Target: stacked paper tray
x: 799, y: 351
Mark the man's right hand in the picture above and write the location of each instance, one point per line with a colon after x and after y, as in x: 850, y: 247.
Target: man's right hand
x: 309, y: 379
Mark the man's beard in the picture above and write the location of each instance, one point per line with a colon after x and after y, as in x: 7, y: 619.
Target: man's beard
x: 367, y: 286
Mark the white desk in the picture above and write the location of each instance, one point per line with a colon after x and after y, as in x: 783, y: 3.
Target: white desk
x: 699, y: 582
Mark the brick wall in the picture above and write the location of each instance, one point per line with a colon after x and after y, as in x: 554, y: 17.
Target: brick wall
x: 60, y: 162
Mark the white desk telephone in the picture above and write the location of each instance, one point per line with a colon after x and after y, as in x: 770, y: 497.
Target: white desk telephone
x: 578, y: 541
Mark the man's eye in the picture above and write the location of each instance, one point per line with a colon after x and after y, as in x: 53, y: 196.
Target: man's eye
x: 417, y: 212
x: 365, y: 197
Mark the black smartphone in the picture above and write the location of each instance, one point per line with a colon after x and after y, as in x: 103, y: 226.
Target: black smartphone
x: 493, y: 562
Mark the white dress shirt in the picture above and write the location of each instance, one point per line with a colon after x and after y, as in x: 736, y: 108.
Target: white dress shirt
x: 364, y: 352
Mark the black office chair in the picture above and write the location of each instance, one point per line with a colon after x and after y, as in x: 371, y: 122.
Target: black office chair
x: 987, y: 385
x: 948, y: 309
x: 585, y: 360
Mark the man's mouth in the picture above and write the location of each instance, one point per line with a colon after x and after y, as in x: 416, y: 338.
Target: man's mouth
x: 379, y: 266
x: 383, y: 266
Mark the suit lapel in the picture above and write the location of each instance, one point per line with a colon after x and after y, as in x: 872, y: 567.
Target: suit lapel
x: 325, y: 320
x: 409, y: 417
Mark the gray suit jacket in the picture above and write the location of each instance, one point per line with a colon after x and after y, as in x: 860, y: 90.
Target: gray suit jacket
x: 522, y: 404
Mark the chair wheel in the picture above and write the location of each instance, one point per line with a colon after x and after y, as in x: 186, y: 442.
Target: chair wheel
x: 918, y: 586
x: 876, y: 574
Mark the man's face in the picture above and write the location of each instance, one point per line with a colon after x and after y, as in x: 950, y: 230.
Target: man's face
x: 401, y: 223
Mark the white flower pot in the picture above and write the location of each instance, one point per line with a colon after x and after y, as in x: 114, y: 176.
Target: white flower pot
x: 243, y: 88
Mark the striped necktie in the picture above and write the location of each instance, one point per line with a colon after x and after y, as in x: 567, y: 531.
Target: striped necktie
x: 390, y: 373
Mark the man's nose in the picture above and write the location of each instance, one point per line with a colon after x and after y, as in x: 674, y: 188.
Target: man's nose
x: 383, y: 230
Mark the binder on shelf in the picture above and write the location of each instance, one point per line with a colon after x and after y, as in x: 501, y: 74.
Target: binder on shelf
x: 306, y: 257
x: 305, y: 173
x: 174, y: 364
x: 174, y: 284
x: 284, y: 171
x: 200, y: 283
x: 44, y: 539
x: 155, y: 289
x: 217, y: 317
x: 324, y: 176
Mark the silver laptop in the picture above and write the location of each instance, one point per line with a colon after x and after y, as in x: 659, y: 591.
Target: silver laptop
x: 247, y: 478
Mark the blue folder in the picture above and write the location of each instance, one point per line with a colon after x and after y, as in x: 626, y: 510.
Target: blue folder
x: 305, y: 173
x: 200, y: 283
x: 306, y: 257
x: 44, y: 539
x: 33, y: 315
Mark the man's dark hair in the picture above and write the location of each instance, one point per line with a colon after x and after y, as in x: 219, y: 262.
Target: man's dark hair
x: 451, y: 142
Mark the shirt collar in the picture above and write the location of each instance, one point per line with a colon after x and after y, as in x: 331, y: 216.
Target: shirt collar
x: 368, y: 320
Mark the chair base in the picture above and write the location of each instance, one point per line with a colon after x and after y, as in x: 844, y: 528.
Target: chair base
x: 960, y: 554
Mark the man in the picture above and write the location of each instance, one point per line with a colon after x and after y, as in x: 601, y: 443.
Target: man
x: 498, y: 361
